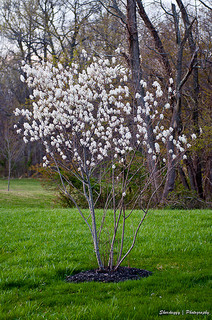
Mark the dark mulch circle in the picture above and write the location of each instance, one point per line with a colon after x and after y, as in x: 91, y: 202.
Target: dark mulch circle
x: 121, y: 274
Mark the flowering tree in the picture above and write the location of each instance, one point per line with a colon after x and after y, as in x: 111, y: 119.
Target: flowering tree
x: 84, y: 118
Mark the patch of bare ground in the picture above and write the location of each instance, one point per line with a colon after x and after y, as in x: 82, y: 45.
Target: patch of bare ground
x: 121, y: 274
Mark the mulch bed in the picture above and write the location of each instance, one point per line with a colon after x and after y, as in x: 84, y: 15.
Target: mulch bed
x: 121, y: 274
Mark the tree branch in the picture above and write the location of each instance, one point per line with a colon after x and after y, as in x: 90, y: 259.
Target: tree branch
x: 204, y: 4
x: 156, y: 37
x: 119, y: 14
x: 189, y: 71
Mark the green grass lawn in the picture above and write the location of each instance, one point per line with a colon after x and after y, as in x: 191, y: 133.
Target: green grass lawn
x: 41, y: 244
x: 24, y: 193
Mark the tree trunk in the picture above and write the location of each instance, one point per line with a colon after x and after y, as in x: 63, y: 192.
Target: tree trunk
x: 9, y: 173
x: 183, y: 178
x: 92, y: 212
x: 156, y: 37
x: 191, y: 173
x: 195, y: 115
x: 175, y: 121
x: 176, y: 104
x: 134, y: 54
x: 94, y: 232
x: 208, y: 178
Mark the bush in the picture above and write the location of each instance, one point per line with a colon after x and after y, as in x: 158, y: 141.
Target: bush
x: 182, y: 198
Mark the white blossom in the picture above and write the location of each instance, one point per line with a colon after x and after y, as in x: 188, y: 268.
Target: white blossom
x: 157, y: 147
x: 193, y: 136
x: 170, y: 138
x: 143, y: 83
x: 167, y: 106
x: 22, y: 78
x: 76, y: 109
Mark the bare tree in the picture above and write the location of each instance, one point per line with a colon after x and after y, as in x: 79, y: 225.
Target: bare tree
x: 46, y: 29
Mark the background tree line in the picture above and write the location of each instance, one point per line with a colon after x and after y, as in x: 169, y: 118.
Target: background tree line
x: 170, y: 42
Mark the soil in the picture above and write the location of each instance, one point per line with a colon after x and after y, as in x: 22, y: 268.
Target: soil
x: 121, y: 274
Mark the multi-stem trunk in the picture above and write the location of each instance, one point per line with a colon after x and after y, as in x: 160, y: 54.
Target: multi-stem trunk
x: 94, y: 230
x: 111, y: 255
x: 90, y: 200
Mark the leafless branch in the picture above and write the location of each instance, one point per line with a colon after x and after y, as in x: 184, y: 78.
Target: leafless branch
x: 189, y: 71
x: 156, y: 37
x: 119, y: 14
x: 64, y: 189
x: 204, y: 4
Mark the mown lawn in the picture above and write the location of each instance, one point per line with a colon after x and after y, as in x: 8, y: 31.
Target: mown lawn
x: 25, y: 193
x: 40, y: 244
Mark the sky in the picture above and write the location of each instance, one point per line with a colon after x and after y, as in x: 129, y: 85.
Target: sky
x: 154, y: 12
x: 185, y: 2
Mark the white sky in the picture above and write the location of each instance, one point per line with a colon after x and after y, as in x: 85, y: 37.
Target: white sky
x: 154, y: 11
x: 185, y: 2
